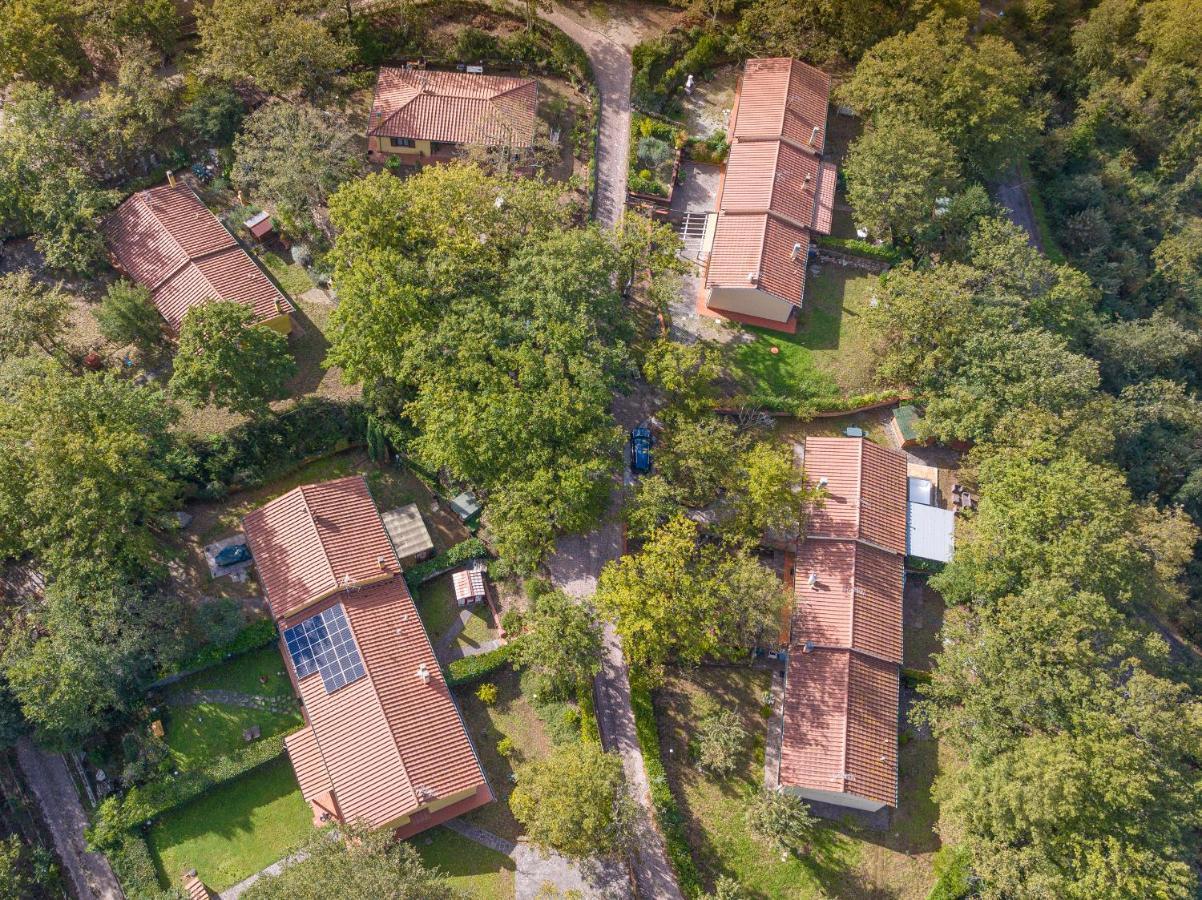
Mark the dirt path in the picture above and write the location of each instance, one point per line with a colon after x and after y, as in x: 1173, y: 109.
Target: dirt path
x: 610, y: 58
x: 1015, y: 197
x: 89, y: 873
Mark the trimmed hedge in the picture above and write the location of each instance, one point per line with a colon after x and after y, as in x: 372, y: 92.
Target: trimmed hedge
x: 262, y: 450
x: 134, y: 868
x: 142, y: 804
x: 667, y: 813
x: 857, y: 247
x: 473, y: 668
x: 590, y: 730
x: 257, y: 634
x: 472, y: 548
x: 810, y: 407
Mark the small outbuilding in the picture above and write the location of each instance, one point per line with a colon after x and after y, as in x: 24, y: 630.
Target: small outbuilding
x: 469, y: 587
x: 904, y: 425
x: 259, y: 225
x: 408, y: 533
x: 466, y: 506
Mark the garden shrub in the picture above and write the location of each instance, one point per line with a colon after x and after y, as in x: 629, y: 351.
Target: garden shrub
x: 472, y: 45
x: 667, y: 813
x: 505, y: 747
x: 134, y: 867
x: 257, y: 634
x: 652, y: 152
x: 472, y: 548
x: 590, y: 729
x: 856, y: 247
x: 487, y: 693
x: 721, y: 741
x: 264, y: 449
x: 473, y: 668
x: 953, y: 874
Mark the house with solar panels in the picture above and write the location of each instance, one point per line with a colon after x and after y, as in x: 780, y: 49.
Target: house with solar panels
x: 383, y: 741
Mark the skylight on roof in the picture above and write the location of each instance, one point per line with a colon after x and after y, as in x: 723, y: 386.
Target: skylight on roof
x: 323, y: 643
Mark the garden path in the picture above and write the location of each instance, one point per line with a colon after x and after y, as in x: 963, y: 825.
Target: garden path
x: 89, y: 873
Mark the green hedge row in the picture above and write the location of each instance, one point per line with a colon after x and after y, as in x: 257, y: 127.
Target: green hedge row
x: 262, y: 450
x: 141, y: 804
x: 856, y: 247
x: 667, y: 813
x: 257, y: 634
x: 473, y: 668
x: 472, y: 548
x: 134, y: 868
x: 811, y: 406
x: 590, y: 730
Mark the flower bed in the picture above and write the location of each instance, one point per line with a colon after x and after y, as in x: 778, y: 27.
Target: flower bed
x: 654, y: 158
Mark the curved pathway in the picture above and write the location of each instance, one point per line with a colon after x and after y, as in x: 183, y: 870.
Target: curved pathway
x: 610, y: 58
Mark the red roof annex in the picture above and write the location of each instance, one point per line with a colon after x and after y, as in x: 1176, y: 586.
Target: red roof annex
x: 166, y: 239
x: 385, y: 745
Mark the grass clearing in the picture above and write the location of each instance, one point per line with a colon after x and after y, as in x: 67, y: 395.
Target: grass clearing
x: 201, y: 732
x: 259, y: 672
x: 479, y: 628
x: 234, y: 830
x: 514, y: 717
x: 436, y: 606
x: 291, y: 276
x: 831, y: 353
x: 846, y: 862
x: 481, y: 873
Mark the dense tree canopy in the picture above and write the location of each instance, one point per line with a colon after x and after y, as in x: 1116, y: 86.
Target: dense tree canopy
x: 127, y: 315
x: 281, y: 48
x: 492, y: 335
x: 294, y: 156
x: 225, y: 359
x: 561, y: 640
x: 365, y: 865
x: 574, y: 801
x: 977, y: 95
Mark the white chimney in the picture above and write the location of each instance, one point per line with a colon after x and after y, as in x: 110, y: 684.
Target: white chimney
x: 814, y: 135
x: 813, y: 579
x: 752, y: 277
x: 797, y: 250
x: 423, y: 672
x: 821, y: 482
x: 171, y: 178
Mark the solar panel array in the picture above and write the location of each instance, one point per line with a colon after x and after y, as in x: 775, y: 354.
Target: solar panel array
x: 324, y: 643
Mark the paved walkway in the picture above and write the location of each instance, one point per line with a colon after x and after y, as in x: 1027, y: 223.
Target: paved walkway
x: 776, y: 726
x: 612, y: 69
x: 232, y: 698
x: 535, y: 870
x: 1015, y: 196
x: 89, y: 873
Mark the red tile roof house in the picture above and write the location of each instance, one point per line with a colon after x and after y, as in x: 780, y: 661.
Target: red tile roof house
x: 383, y: 741
x: 839, y: 741
x: 420, y: 116
x: 166, y: 239
x: 775, y: 194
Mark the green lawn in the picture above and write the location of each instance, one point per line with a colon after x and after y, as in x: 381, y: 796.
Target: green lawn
x: 244, y: 674
x: 436, y: 606
x: 481, y: 873
x: 846, y: 862
x: 234, y: 830
x: 204, y: 731
x: 831, y: 353
x: 479, y: 627
x: 292, y: 277
x: 512, y: 716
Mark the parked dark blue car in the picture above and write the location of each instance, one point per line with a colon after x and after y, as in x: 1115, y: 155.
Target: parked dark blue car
x: 232, y: 555
x: 640, y: 450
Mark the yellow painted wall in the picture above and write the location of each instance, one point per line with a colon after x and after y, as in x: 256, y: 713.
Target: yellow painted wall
x: 282, y: 324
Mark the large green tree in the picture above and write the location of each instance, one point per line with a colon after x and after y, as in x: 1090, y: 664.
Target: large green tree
x: 32, y: 315
x: 561, y: 640
x: 84, y: 469
x: 40, y: 42
x: 226, y: 359
x: 977, y: 93
x: 364, y: 864
x: 282, y: 48
x: 897, y: 171
x: 574, y: 801
x: 294, y: 156
x: 681, y: 599
x: 491, y: 336
x: 127, y: 315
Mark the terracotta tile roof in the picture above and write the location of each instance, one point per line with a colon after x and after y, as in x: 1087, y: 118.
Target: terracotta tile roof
x: 386, y: 744
x: 865, y: 491
x: 774, y: 179
x: 468, y: 585
x: 840, y: 728
x: 759, y: 245
x: 783, y: 98
x: 317, y: 539
x: 166, y: 239
x: 454, y: 107
x: 854, y: 601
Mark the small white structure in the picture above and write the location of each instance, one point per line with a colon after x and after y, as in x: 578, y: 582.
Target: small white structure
x: 469, y: 587
x: 930, y: 532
